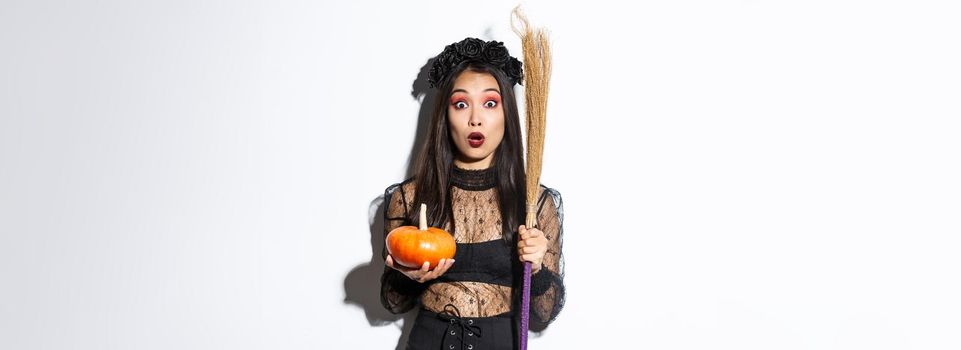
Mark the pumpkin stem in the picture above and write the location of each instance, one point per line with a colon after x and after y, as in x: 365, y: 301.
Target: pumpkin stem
x: 423, y: 217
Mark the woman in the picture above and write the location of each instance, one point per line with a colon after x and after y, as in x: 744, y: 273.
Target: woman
x: 470, y: 173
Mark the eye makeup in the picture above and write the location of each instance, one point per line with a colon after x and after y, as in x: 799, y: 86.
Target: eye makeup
x: 493, y: 96
x: 459, y: 97
x: 454, y: 100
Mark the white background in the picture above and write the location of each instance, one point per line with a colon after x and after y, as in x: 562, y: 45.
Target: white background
x: 736, y: 174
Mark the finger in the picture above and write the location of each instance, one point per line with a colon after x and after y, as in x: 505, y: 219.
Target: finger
x: 532, y: 258
x: 536, y: 242
x: 421, y: 274
x: 437, y: 271
x: 532, y: 242
x: 427, y: 274
x: 394, y: 265
x: 442, y: 267
x: 541, y: 238
x: 532, y: 233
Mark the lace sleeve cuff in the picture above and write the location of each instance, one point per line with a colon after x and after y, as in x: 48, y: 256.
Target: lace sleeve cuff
x: 540, y: 281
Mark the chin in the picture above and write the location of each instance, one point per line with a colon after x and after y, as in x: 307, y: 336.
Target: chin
x: 473, y: 157
x: 482, y: 156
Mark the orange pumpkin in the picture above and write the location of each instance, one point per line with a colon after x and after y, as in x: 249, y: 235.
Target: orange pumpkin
x: 411, y: 246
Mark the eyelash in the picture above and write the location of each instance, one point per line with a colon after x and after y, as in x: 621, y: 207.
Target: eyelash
x: 456, y: 103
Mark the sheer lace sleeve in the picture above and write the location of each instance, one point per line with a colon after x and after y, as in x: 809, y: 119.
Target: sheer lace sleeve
x: 398, y: 293
x: 547, y: 285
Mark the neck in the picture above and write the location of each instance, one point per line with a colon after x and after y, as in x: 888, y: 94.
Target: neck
x: 477, y: 164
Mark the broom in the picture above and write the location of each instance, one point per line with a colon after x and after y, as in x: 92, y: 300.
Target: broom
x: 537, y: 75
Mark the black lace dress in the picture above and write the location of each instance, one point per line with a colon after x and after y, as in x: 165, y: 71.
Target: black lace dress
x: 472, y: 306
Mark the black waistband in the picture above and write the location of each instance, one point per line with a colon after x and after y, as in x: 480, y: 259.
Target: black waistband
x: 486, y: 262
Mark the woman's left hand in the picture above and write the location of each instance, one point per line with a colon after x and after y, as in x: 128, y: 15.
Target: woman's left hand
x: 531, y: 247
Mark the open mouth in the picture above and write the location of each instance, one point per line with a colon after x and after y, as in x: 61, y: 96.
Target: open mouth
x: 475, y: 139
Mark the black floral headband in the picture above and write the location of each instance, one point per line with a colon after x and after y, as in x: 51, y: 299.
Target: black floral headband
x: 476, y: 50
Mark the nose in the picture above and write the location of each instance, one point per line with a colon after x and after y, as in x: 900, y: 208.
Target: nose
x: 474, y: 120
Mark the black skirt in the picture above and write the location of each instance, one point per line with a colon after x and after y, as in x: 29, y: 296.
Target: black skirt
x: 447, y: 331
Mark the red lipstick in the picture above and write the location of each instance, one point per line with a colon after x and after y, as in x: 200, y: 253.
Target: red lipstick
x: 475, y: 139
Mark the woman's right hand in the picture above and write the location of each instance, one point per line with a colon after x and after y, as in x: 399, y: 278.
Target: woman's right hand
x: 423, y: 274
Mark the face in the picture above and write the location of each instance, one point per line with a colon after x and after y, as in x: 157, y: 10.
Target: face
x: 476, y: 119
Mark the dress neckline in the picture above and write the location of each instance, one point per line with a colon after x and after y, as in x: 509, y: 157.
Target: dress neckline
x: 473, y: 179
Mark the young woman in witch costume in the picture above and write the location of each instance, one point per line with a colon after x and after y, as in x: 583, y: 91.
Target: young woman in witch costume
x: 470, y: 173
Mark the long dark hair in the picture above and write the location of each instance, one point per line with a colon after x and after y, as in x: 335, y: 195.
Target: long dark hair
x: 436, y: 157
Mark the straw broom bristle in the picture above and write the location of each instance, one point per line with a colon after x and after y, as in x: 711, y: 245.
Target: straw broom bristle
x: 537, y: 75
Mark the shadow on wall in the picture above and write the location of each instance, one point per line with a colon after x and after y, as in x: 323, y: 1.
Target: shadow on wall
x: 362, y: 284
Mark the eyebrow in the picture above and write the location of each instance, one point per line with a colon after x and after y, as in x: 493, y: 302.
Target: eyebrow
x: 465, y: 91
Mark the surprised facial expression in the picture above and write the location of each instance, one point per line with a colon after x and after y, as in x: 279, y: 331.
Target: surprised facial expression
x: 476, y: 119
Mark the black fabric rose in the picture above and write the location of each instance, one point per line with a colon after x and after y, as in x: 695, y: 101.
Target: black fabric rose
x: 515, y: 70
x: 495, y: 52
x: 436, y: 73
x: 451, y: 59
x: 470, y: 47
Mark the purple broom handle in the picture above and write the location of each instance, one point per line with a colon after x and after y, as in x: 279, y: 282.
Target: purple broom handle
x: 525, y: 304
